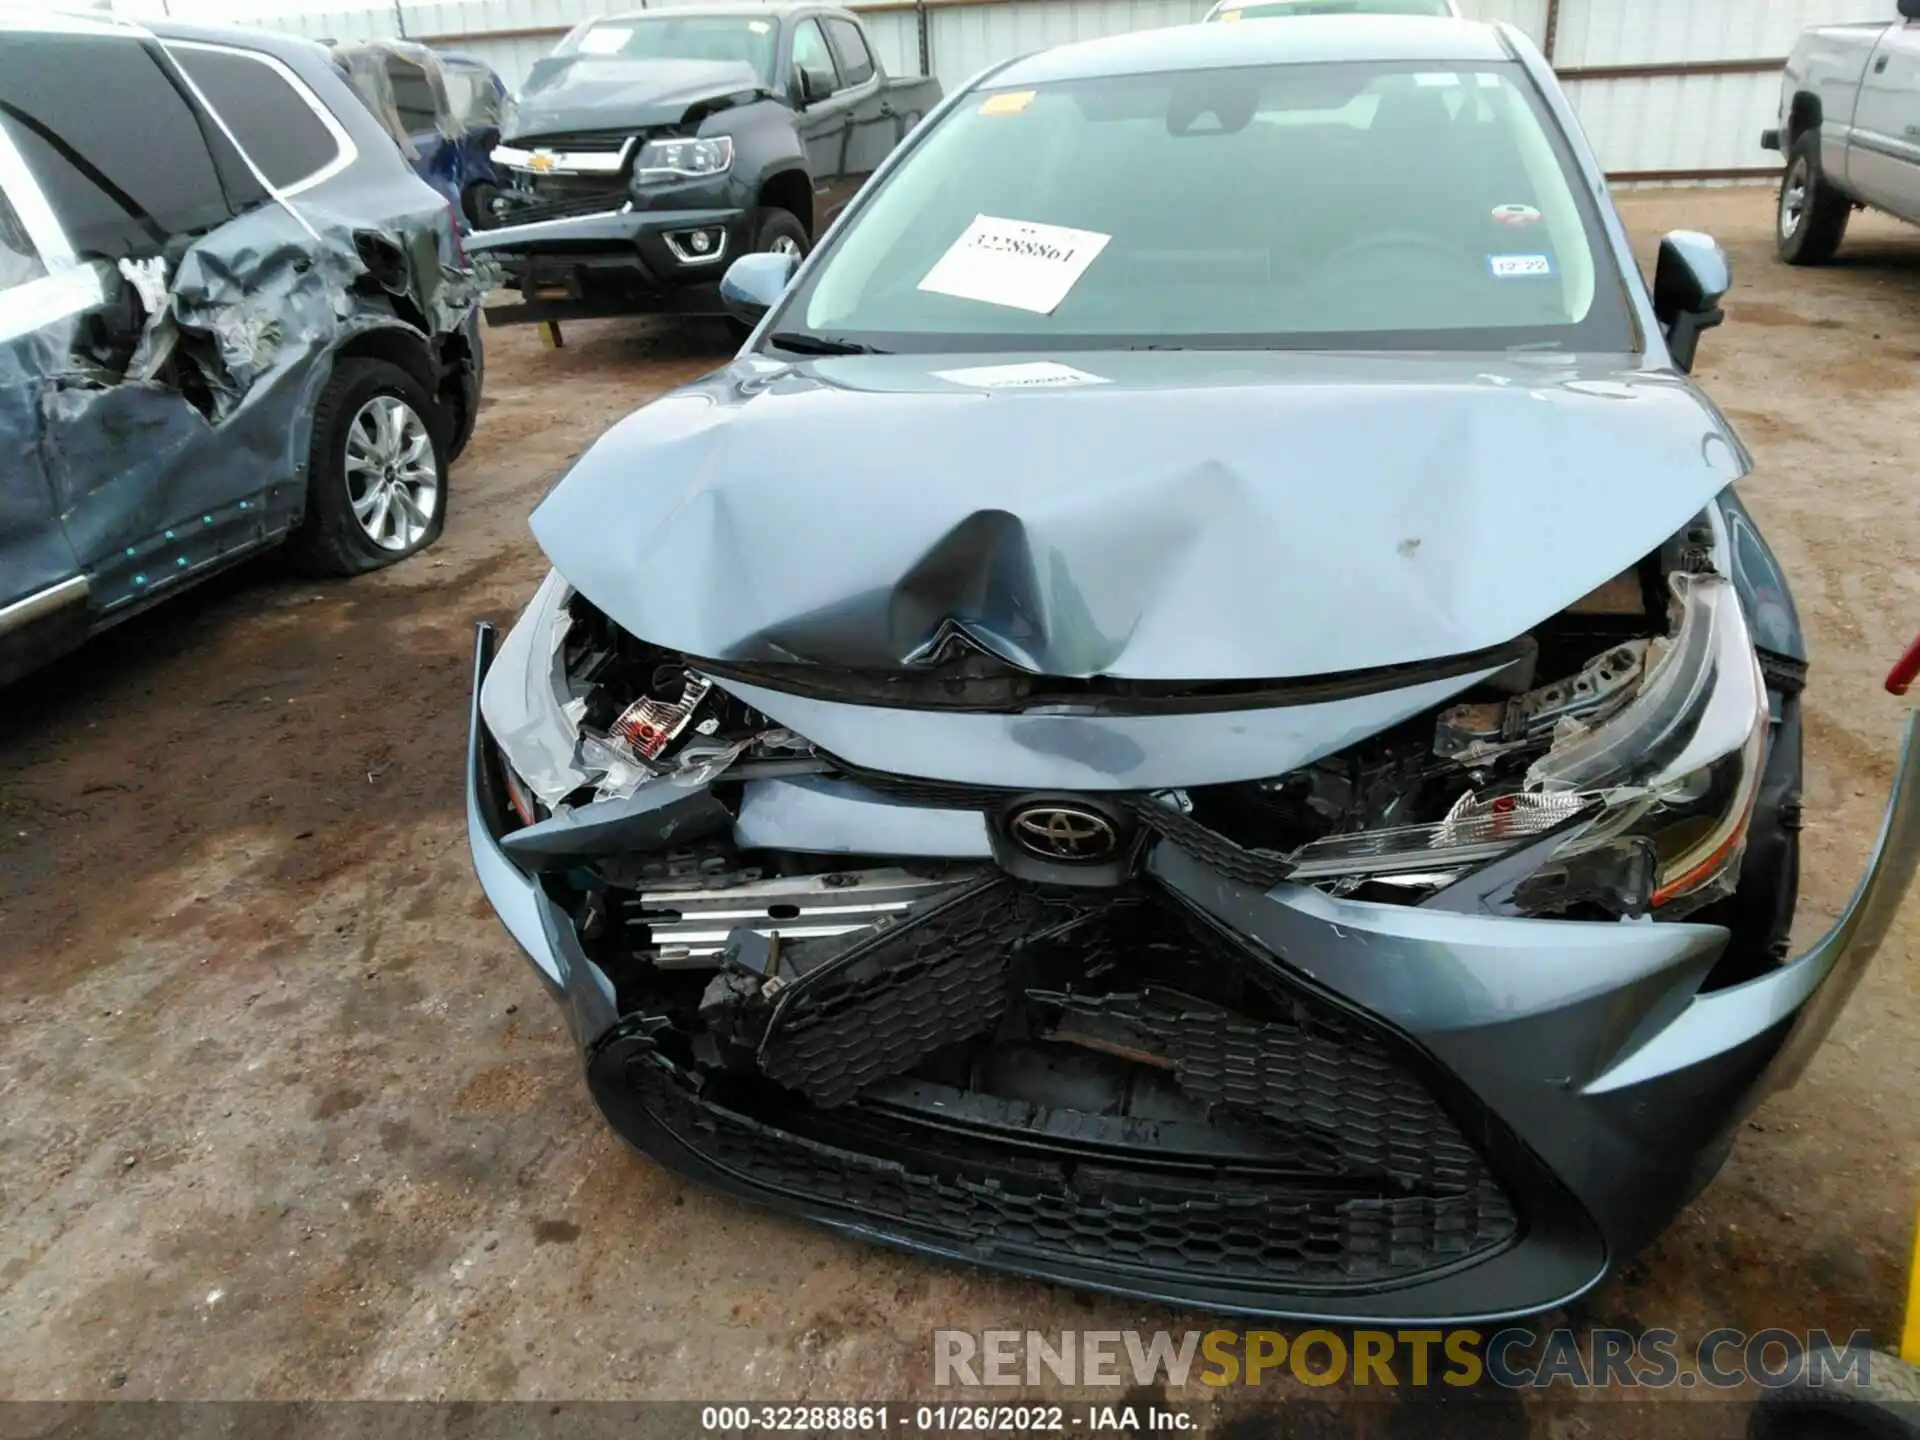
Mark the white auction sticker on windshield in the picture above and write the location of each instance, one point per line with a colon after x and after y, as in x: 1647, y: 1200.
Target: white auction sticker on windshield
x: 1017, y: 263
x: 1035, y: 374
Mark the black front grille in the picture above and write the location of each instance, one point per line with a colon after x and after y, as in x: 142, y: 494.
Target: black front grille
x: 1266, y: 1142
x: 531, y: 212
x: 577, y: 142
x: 891, y: 1001
x: 1333, y: 1081
x: 1206, y: 1229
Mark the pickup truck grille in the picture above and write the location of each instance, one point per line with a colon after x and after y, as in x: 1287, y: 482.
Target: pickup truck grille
x: 578, y: 142
x: 531, y: 212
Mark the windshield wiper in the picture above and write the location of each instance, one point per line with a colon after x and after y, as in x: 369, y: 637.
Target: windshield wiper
x: 801, y: 343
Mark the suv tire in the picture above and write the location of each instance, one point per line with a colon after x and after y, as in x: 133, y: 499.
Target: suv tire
x: 376, y: 474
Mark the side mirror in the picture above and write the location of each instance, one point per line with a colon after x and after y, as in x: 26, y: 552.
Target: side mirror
x: 812, y: 83
x: 1689, y: 280
x: 753, y: 283
x: 1910, y: 9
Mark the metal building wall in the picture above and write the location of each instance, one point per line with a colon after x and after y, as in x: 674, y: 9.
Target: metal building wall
x: 1666, y: 89
x: 1684, y: 87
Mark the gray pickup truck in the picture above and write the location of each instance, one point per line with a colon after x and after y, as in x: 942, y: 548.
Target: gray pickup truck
x: 649, y: 150
x: 1850, y: 129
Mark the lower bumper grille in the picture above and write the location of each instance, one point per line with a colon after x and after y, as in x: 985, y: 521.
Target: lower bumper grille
x: 1198, y: 1228
x: 990, y: 1077
x: 565, y: 197
x: 891, y: 1001
x: 1331, y: 1084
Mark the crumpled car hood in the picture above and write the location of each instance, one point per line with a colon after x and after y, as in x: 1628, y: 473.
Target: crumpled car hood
x: 1197, y: 516
x: 591, y: 92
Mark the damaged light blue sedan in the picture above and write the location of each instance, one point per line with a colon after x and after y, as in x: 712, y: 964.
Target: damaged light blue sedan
x: 1197, y: 713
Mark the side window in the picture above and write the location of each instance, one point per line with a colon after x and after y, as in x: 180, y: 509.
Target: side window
x: 810, y: 50
x: 282, y: 130
x: 413, y: 96
x: 856, y: 64
x: 122, y: 157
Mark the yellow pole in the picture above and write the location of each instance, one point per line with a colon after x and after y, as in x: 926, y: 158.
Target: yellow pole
x: 1910, y: 1330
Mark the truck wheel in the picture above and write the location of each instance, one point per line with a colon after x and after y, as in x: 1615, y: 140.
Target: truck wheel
x: 477, y: 202
x: 376, y: 474
x: 779, y: 232
x: 1813, y: 215
x: 775, y: 232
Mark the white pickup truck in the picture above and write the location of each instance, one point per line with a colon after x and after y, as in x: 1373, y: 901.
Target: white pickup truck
x: 1850, y: 129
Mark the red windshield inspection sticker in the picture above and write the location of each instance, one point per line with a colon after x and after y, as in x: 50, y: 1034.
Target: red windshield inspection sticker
x: 1516, y: 216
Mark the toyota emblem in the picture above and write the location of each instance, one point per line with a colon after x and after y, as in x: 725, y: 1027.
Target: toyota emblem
x: 1065, y: 832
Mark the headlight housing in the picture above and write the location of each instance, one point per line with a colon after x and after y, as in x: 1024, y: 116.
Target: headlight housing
x: 526, y: 702
x: 581, y: 711
x: 662, y: 162
x: 1654, y: 798
x: 1681, y: 766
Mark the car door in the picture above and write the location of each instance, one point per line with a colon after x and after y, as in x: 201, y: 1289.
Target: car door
x: 873, y: 127
x: 1883, y: 155
x: 824, y: 122
x: 43, y: 294
x: 162, y: 463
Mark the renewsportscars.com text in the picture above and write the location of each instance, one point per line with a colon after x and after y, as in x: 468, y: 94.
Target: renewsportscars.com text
x: 1515, y: 1357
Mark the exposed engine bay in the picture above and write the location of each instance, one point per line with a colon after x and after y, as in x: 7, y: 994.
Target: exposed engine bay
x: 1080, y: 1041
x: 1568, y: 736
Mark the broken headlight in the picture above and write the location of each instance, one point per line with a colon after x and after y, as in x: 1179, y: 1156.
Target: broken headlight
x: 1654, y: 794
x: 524, y: 702
x: 582, y: 711
x: 1681, y: 766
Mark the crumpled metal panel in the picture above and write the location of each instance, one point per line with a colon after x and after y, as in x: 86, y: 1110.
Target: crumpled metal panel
x: 1199, y: 516
x: 562, y: 94
x: 215, y: 401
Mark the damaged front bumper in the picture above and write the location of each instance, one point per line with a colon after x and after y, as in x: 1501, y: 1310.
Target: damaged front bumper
x: 1411, y: 1116
x: 619, y: 261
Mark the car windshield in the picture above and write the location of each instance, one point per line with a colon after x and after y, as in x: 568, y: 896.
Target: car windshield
x: 1331, y: 7
x: 1352, y: 206
x: 694, y: 37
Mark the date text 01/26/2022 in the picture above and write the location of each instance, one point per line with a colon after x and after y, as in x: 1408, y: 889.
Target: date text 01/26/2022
x: 937, y: 1419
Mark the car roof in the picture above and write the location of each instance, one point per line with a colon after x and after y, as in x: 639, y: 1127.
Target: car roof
x: 61, y: 22
x: 1289, y: 40
x: 240, y: 37
x: 243, y: 37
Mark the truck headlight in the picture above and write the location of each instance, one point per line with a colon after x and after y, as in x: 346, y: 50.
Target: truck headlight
x: 662, y: 161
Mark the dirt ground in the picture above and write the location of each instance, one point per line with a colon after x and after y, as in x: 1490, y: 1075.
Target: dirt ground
x: 284, y: 1114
